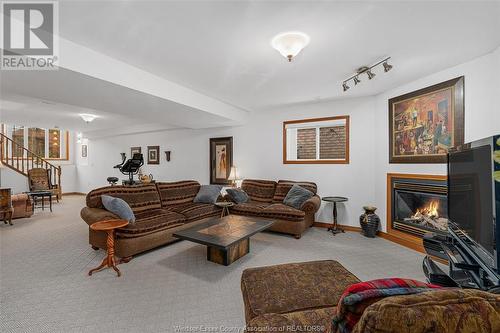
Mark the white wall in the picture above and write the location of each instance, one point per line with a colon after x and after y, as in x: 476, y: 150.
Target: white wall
x: 257, y: 154
x: 482, y: 117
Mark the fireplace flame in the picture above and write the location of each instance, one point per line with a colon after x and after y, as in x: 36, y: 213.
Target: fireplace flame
x: 431, y: 210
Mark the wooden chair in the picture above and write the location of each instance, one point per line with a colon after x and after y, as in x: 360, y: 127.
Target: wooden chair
x: 39, y: 180
x: 6, y: 208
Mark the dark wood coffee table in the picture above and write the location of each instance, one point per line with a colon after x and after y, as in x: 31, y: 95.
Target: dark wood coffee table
x: 227, y: 238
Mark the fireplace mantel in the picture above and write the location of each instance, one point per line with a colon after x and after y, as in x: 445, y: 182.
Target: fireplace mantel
x: 400, y: 237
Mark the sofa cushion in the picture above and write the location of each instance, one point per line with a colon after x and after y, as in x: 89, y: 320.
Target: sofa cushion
x: 251, y: 208
x: 292, y: 287
x: 444, y: 311
x: 119, y: 207
x: 175, y: 193
x: 270, y: 211
x: 259, y: 190
x: 297, y: 196
x: 284, y: 186
x: 195, y: 211
x: 140, y: 198
x: 151, y: 221
x: 283, y: 212
x: 315, y: 320
x: 208, y: 194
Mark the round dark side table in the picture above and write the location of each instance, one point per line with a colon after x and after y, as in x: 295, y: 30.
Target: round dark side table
x: 335, y: 229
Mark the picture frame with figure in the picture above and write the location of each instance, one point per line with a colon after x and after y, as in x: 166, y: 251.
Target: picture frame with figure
x: 426, y: 123
x: 221, y: 160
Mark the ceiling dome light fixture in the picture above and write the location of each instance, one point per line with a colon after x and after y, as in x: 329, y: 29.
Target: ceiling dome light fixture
x: 87, y: 117
x: 368, y: 71
x: 289, y: 44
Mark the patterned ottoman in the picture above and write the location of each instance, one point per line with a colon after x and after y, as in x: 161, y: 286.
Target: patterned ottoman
x: 299, y: 294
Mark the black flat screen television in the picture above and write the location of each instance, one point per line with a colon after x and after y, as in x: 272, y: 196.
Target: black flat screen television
x: 472, y: 202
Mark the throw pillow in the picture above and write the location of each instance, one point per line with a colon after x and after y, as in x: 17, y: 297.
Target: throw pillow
x: 208, y: 194
x: 237, y: 195
x: 297, y: 196
x: 119, y: 207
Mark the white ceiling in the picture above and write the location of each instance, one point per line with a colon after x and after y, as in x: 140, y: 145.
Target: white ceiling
x: 58, y: 97
x: 221, y: 49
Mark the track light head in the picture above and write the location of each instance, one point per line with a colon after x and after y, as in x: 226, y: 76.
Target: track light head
x: 370, y: 74
x: 387, y: 67
x: 356, y: 80
x: 345, y: 86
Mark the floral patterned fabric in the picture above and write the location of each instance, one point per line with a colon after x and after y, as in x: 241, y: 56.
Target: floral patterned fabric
x: 438, y: 311
x: 317, y: 320
x: 39, y: 179
x: 293, y: 287
x: 301, y: 297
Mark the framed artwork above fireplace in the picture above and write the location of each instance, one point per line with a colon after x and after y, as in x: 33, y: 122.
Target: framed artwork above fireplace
x: 426, y: 123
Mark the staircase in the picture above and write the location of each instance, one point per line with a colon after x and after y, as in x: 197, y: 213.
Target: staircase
x: 25, y: 160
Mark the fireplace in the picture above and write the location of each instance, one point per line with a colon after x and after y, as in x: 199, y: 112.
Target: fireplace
x: 418, y: 204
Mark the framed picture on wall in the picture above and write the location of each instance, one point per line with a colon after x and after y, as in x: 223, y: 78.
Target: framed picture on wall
x: 425, y: 124
x: 84, y: 150
x: 221, y: 160
x: 134, y: 150
x: 153, y: 154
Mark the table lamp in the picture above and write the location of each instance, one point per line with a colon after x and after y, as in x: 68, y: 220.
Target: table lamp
x: 233, y: 176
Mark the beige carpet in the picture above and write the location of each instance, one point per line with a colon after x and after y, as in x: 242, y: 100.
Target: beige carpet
x: 45, y: 286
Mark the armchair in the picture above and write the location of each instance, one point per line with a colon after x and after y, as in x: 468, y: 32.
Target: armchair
x: 39, y: 180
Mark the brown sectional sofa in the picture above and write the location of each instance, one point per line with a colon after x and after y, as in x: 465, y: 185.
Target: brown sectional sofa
x: 161, y: 209
x: 266, y: 200
x: 303, y: 297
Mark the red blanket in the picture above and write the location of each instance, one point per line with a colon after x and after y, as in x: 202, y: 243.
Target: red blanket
x: 357, y: 297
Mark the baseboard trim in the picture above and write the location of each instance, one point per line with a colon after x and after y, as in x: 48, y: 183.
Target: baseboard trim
x: 386, y: 236
x: 74, y: 193
x: 329, y: 225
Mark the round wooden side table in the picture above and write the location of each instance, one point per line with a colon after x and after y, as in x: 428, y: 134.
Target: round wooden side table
x: 335, y: 229
x: 225, y: 207
x: 109, y: 227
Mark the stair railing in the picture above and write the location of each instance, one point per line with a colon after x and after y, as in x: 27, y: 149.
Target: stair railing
x: 20, y: 159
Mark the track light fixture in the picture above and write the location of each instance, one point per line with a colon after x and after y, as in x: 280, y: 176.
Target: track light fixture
x: 387, y: 67
x: 370, y: 74
x: 368, y: 71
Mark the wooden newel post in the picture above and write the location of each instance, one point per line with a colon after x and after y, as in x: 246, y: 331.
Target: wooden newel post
x: 59, y: 181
